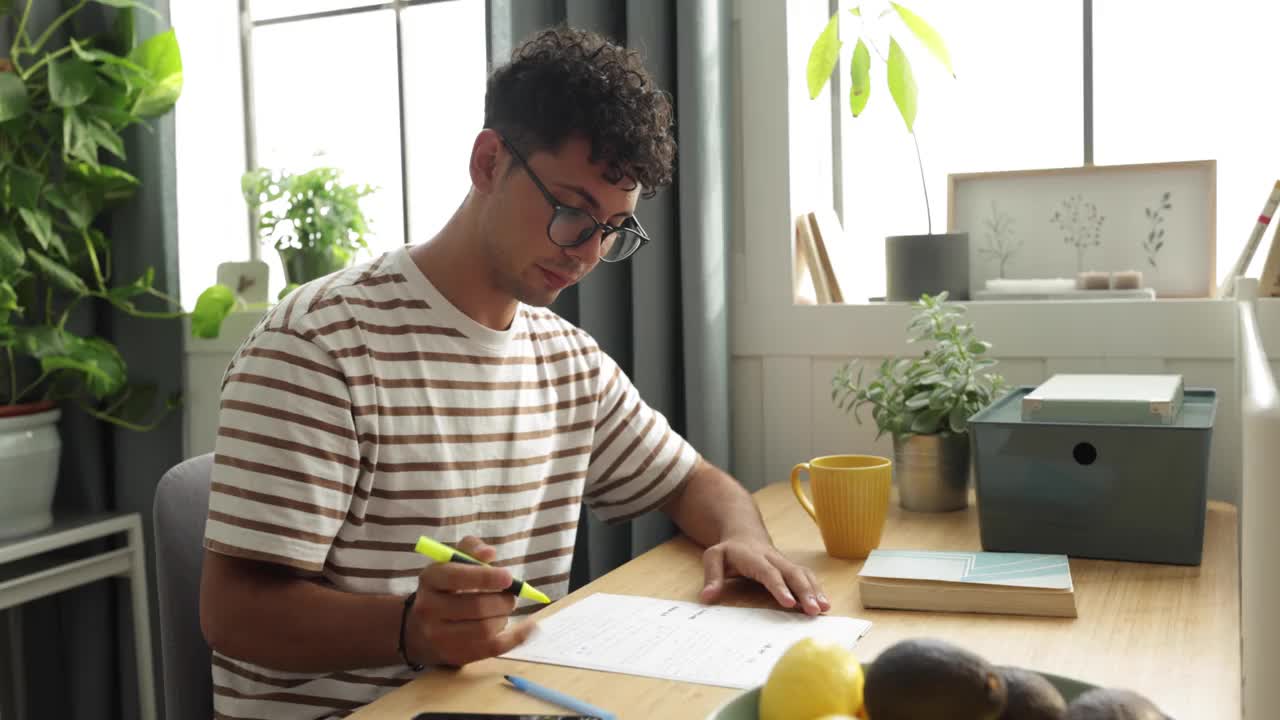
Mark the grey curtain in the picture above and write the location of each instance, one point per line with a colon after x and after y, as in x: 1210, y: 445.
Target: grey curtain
x: 662, y: 314
x: 75, y: 650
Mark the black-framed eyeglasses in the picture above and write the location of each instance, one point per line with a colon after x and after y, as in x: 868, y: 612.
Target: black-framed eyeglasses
x: 571, y: 227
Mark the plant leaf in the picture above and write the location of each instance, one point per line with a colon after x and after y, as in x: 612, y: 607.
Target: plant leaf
x: 978, y: 347
x: 12, y: 256
x: 927, y: 36
x: 113, y: 183
x: 902, y: 84
x: 75, y: 203
x: 22, y: 187
x: 102, y: 56
x: 71, y: 82
x: 102, y: 134
x: 40, y: 225
x: 13, y: 96
x: 958, y: 418
x: 121, y: 295
x: 58, y: 273
x: 76, y: 140
x: 160, y: 57
x: 823, y: 56
x: 212, y: 307
x: 95, y: 359
x: 859, y: 78
x: 8, y: 301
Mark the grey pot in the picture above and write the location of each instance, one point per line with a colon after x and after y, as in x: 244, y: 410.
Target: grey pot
x: 919, y: 264
x: 932, y: 472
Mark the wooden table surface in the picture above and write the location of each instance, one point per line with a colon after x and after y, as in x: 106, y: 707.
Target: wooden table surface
x: 1169, y: 632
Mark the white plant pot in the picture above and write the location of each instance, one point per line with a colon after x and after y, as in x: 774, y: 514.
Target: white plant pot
x: 29, y: 450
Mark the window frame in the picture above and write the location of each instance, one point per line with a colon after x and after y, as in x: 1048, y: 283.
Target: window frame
x: 247, y: 27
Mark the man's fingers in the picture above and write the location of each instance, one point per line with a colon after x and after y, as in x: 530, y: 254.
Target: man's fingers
x: 512, y: 638
x: 457, y: 577
x: 476, y: 548
x: 713, y: 569
x: 766, y: 574
x: 475, y: 606
x: 823, y: 603
x: 801, y: 584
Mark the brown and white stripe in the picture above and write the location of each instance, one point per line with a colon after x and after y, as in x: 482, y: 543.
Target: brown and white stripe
x: 366, y: 410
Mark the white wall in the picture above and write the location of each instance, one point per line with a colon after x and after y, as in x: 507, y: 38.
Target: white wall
x: 204, y: 363
x: 785, y: 355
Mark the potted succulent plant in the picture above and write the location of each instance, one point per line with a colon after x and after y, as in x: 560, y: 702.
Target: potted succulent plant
x: 914, y: 264
x: 926, y: 402
x: 313, y: 219
x: 63, y: 107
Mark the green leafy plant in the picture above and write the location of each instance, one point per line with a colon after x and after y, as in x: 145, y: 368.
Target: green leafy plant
x: 824, y: 56
x: 936, y: 393
x: 62, y: 112
x: 313, y: 219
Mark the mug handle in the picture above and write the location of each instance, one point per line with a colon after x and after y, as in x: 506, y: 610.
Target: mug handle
x: 795, y: 487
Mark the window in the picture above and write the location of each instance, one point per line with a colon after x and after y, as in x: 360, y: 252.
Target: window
x: 1175, y: 81
x: 1016, y: 102
x: 331, y: 82
x: 1170, y: 82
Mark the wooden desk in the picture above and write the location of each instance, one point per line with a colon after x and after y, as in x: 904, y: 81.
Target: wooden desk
x: 1170, y: 632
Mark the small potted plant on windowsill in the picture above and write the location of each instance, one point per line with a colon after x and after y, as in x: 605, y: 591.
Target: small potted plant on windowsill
x: 315, y: 223
x: 914, y: 264
x: 925, y: 403
x: 313, y: 219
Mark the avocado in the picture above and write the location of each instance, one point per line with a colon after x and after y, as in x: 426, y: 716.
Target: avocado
x: 1031, y: 696
x: 930, y: 679
x: 1113, y: 704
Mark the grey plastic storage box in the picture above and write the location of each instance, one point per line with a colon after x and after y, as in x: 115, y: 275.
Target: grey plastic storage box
x: 1116, y: 492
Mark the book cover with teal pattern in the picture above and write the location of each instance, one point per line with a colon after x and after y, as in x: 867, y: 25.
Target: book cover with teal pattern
x: 989, y: 568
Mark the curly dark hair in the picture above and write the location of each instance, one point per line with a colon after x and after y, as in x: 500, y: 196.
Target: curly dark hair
x: 564, y: 82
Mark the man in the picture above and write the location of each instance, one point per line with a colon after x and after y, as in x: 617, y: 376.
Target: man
x: 428, y: 392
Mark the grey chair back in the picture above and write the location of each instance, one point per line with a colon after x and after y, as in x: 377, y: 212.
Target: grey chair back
x: 181, y: 506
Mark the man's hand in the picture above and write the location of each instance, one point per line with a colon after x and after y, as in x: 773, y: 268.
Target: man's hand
x: 761, y: 561
x: 460, y: 613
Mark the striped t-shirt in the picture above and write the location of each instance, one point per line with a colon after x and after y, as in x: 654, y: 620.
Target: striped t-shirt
x: 366, y: 410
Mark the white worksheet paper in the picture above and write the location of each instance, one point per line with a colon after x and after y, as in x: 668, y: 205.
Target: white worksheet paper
x: 685, y: 641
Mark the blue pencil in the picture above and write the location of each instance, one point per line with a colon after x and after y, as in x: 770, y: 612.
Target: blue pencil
x: 557, y: 698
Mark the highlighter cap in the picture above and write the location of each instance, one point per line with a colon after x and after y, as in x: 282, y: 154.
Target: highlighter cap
x: 434, y: 550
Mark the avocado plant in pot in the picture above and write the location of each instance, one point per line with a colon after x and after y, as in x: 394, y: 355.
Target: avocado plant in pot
x: 63, y: 107
x: 914, y: 264
x: 925, y: 403
x: 313, y: 219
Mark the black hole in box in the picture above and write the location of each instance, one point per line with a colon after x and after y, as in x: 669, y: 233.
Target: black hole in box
x: 1085, y: 453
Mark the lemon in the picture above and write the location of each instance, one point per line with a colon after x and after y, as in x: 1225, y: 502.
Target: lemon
x: 813, y: 679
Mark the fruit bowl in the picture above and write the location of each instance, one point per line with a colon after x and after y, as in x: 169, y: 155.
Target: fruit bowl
x: 743, y: 706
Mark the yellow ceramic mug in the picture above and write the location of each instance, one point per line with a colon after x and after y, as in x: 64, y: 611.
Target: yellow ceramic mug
x: 850, y: 501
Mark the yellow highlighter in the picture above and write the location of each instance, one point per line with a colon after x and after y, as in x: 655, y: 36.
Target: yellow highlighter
x: 440, y: 552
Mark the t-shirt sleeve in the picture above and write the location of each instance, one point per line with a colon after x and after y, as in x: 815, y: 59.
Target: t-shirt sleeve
x: 638, y: 461
x: 287, y: 456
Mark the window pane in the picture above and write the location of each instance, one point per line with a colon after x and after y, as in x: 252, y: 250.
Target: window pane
x: 213, y: 226
x: 325, y: 94
x: 445, y: 72
x: 269, y: 9
x: 1177, y: 81
x: 1015, y: 103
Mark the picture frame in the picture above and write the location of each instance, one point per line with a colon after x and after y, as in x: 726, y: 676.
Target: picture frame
x: 1156, y: 218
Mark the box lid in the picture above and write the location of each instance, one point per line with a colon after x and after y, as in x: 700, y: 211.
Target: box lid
x: 1199, y: 406
x: 1127, y: 398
